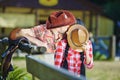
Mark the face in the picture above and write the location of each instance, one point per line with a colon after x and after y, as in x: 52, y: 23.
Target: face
x: 58, y: 32
x: 62, y: 29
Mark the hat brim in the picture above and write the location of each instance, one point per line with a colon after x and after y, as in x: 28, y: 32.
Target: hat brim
x: 69, y: 38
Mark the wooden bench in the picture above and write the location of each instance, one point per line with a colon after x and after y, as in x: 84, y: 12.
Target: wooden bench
x: 38, y: 67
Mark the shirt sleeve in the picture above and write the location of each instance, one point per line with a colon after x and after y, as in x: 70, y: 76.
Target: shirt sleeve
x: 90, y: 53
x: 39, y: 32
x: 44, y: 35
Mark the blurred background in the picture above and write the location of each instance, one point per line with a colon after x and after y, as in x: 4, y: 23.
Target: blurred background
x: 101, y: 18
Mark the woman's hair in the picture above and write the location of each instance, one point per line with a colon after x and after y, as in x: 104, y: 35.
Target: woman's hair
x: 79, y: 21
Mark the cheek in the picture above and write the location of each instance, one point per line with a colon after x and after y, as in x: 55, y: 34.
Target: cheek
x: 63, y: 30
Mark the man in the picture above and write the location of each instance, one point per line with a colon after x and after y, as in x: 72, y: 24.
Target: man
x: 44, y: 35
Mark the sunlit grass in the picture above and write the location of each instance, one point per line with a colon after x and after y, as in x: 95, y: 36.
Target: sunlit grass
x: 104, y: 70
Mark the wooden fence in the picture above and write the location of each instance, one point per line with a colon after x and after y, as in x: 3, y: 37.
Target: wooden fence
x: 46, y: 70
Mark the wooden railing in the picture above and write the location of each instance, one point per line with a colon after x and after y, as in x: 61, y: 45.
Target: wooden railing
x: 46, y: 70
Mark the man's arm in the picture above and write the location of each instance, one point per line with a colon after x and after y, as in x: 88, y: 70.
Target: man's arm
x: 28, y: 33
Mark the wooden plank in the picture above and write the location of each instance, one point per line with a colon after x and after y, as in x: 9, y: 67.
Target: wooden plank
x: 112, y: 47
x: 45, y: 71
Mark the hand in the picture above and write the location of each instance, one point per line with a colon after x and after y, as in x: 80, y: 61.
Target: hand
x: 83, y: 48
x: 13, y: 34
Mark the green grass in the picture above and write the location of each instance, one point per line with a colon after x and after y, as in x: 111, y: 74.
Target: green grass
x: 18, y: 58
x: 102, y: 70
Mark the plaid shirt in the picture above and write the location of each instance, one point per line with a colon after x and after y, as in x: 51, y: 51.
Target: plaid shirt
x: 43, y: 35
x: 73, y: 57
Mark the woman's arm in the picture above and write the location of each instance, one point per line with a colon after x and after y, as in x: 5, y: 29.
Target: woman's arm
x: 88, y: 51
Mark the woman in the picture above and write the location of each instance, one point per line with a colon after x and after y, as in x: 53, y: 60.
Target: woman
x: 71, y: 59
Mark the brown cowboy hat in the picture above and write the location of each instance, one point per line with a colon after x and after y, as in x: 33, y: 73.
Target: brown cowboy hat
x: 77, y: 35
x: 60, y: 18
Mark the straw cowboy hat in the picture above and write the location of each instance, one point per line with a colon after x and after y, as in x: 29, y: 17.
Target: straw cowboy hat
x: 77, y: 35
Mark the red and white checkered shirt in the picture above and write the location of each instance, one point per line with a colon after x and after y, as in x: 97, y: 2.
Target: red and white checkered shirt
x: 73, y: 58
x: 44, y: 36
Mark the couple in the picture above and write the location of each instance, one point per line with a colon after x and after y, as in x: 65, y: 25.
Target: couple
x: 53, y: 35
